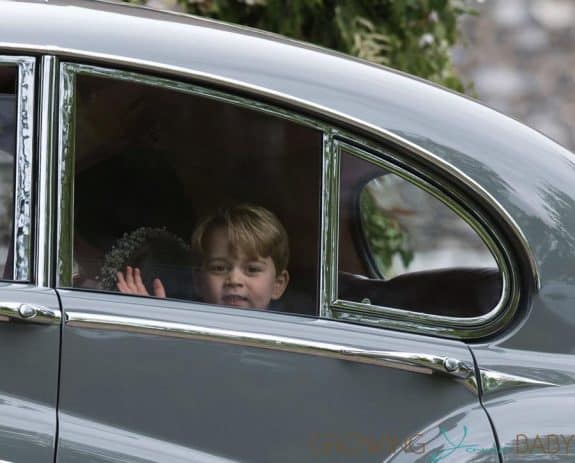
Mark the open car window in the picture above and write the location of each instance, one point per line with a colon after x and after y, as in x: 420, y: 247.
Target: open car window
x: 400, y: 247
x: 153, y: 159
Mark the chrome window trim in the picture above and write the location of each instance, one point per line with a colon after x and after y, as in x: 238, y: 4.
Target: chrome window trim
x: 329, y: 223
x: 453, y: 327
x: 23, y: 186
x: 65, y: 176
x: 45, y: 213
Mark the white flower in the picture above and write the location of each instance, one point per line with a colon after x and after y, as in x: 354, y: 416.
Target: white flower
x: 254, y: 2
x: 425, y: 40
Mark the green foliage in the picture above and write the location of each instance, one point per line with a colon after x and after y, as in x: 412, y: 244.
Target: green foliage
x: 384, y: 235
x: 410, y: 35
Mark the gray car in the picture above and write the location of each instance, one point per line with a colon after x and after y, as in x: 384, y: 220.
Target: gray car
x: 421, y: 309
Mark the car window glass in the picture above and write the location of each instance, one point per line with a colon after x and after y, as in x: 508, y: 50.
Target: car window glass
x: 401, y: 247
x: 8, y: 80
x: 154, y: 165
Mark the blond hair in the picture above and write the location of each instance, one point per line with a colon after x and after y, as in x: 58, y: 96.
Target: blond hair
x: 253, y: 229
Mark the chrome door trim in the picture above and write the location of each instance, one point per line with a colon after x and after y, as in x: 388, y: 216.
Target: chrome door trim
x: 45, y: 218
x: 408, y: 361
x: 23, y: 186
x: 493, y: 381
x: 30, y: 313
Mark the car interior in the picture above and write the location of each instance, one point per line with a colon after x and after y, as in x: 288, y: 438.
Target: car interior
x: 176, y: 157
x: 470, y: 285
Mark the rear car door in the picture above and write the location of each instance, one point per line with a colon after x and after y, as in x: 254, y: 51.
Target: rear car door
x: 29, y: 310
x: 147, y: 379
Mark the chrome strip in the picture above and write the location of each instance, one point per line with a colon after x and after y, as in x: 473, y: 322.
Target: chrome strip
x: 65, y: 175
x: 23, y: 176
x: 30, y: 313
x: 494, y: 381
x: 23, y: 187
x: 46, y: 175
x: 191, y: 89
x: 305, y: 105
x: 456, y: 327
x: 329, y: 224
x: 413, y: 362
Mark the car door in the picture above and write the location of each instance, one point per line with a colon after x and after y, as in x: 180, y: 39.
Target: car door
x: 29, y: 311
x: 181, y: 379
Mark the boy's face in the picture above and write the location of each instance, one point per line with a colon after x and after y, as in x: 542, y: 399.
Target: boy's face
x: 230, y: 277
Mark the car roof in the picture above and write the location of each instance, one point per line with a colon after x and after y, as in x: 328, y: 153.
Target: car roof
x: 487, y: 150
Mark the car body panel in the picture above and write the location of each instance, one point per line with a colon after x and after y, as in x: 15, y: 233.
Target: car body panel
x: 535, y: 425
x: 29, y: 354
x: 458, y: 437
x: 534, y: 422
x: 239, y: 401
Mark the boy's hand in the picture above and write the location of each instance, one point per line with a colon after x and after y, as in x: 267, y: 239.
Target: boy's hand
x: 132, y: 283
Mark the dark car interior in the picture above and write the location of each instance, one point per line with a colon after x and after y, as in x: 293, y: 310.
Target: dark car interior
x: 152, y: 157
x: 453, y: 292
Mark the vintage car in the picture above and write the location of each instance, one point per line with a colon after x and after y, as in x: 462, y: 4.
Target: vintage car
x: 430, y: 308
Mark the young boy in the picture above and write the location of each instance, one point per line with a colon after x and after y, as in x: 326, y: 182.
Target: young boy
x: 242, y: 253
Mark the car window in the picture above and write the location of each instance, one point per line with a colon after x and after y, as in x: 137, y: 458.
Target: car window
x: 161, y: 172
x: 8, y: 81
x: 401, y: 247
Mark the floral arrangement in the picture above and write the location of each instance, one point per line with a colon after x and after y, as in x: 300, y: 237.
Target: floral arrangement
x: 129, y: 246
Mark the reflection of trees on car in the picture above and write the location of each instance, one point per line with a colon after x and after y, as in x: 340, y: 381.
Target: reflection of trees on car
x: 414, y: 37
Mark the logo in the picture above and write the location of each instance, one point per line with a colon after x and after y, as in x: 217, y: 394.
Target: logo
x: 457, y: 445
x: 548, y: 444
